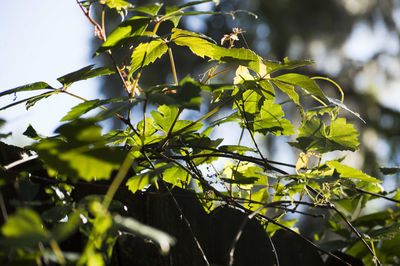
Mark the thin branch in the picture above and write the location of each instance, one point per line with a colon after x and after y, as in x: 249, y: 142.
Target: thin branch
x: 377, y: 195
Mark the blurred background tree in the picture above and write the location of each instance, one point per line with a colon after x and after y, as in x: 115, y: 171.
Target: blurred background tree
x: 354, y: 42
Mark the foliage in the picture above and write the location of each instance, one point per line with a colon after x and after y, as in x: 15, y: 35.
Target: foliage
x: 165, y: 150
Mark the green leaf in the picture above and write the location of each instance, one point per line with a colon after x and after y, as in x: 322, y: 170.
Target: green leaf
x: 85, y: 73
x: 289, y: 90
x: 176, y: 176
x: 23, y: 229
x: 314, y: 135
x: 83, y: 155
x: 390, y: 170
x: 302, y: 82
x: 286, y: 64
x: 33, y: 100
x: 198, y: 44
x: 165, y: 117
x: 29, y: 87
x: 163, y: 240
x: 117, y: 4
x: 85, y: 107
x: 127, y: 33
x: 235, y: 148
x: 270, y: 120
x: 146, y: 53
x: 320, y: 110
x: 140, y: 181
x: 151, y: 9
x: 349, y: 172
x: 30, y: 132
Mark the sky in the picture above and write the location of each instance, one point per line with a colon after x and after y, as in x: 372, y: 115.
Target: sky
x: 41, y: 41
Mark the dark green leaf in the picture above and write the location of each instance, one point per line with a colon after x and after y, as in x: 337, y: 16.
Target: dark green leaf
x: 85, y: 107
x: 85, y: 73
x: 29, y: 87
x: 390, y: 170
x: 126, y: 33
x: 30, y: 132
x: 83, y: 155
x: 32, y: 101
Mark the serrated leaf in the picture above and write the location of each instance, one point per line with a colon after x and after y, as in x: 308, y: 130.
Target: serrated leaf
x: 151, y: 9
x: 201, y: 47
x: 140, y: 181
x: 349, y: 172
x: 314, y: 135
x: 302, y: 82
x: 186, y: 95
x: 126, y: 33
x: 83, y: 155
x: 146, y: 53
x: 28, y: 87
x: 85, y: 73
x: 270, y: 120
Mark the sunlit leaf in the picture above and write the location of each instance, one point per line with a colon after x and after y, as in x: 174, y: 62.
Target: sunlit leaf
x: 198, y: 44
x: 302, y: 82
x: 289, y: 90
x: 349, y: 172
x: 141, y: 181
x: 315, y: 135
x: 146, y: 53
x: 126, y: 33
x: 270, y: 120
